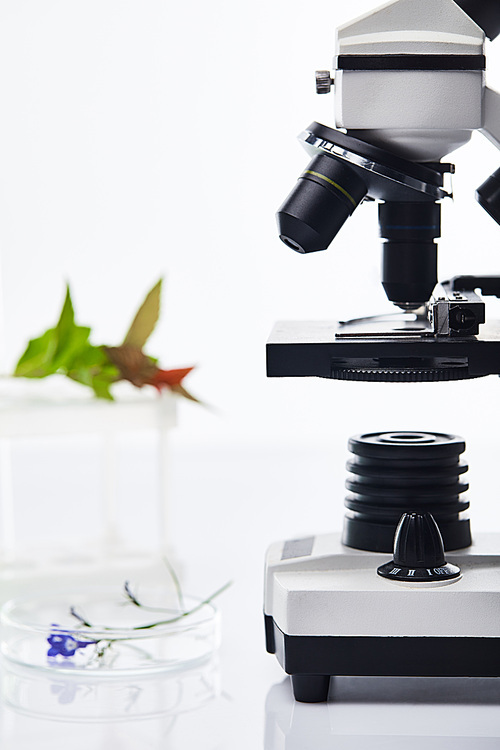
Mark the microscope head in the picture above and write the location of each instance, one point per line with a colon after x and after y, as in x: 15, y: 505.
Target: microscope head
x: 409, y: 89
x: 409, y: 78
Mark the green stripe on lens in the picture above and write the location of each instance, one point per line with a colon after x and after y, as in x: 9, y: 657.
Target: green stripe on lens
x: 335, y: 185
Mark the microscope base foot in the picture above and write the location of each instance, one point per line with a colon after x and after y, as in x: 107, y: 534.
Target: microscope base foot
x: 310, y: 688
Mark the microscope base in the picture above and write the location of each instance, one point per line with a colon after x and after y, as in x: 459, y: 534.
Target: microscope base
x: 328, y: 613
x: 311, y: 661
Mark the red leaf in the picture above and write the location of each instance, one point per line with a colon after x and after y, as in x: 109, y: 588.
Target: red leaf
x: 169, y: 378
x: 132, y: 363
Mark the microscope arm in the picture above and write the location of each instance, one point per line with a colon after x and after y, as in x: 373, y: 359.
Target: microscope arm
x: 488, y: 194
x: 491, y: 116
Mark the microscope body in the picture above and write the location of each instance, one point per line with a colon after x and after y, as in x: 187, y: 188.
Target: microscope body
x: 409, y: 80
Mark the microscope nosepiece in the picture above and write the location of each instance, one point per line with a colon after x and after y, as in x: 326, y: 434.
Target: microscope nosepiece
x: 326, y: 194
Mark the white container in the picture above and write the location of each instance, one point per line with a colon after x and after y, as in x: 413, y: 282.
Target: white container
x: 83, y: 481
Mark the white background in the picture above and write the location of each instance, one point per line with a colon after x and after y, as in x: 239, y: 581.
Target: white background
x: 152, y: 138
x: 141, y: 139
x: 149, y: 138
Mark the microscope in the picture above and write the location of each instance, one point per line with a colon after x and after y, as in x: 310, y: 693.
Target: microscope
x: 409, y: 89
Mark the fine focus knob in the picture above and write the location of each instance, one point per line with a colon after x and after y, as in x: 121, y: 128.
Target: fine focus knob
x: 418, y: 552
x: 323, y: 82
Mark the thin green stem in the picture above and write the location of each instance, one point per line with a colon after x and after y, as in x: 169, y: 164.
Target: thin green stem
x: 186, y: 613
x: 176, y: 581
x: 151, y: 625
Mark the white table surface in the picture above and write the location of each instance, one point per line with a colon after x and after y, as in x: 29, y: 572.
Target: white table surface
x: 228, y: 505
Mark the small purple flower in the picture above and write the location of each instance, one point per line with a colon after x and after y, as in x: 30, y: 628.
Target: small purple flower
x: 63, y: 643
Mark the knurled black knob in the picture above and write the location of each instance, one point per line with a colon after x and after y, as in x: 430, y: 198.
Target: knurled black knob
x: 324, y: 82
x: 418, y: 552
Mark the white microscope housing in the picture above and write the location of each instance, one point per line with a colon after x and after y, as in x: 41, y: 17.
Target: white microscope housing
x: 409, y: 77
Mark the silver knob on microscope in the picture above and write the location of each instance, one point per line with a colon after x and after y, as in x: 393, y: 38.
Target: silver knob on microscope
x: 324, y: 82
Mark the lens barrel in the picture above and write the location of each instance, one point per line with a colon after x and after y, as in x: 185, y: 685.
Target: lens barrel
x: 409, y: 260
x: 392, y: 473
x: 325, y: 195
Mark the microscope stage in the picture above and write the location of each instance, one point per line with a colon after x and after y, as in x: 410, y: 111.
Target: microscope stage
x: 391, y: 354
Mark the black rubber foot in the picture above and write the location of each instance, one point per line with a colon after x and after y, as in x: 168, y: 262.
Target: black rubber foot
x: 310, y: 688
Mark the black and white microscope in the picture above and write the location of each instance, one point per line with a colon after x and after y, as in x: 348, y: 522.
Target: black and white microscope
x: 403, y: 591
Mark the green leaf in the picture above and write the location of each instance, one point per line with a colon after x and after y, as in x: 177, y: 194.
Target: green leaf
x: 37, y: 360
x: 101, y: 388
x: 71, y: 339
x: 75, y: 343
x: 55, y: 349
x: 93, y: 368
x: 66, y: 349
x: 145, y: 320
x: 66, y: 321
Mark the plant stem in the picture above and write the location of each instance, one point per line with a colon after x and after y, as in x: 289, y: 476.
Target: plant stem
x: 186, y: 613
x: 149, y: 626
x: 175, y: 580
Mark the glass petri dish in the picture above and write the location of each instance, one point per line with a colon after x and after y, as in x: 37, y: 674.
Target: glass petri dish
x: 101, y: 633
x: 68, y: 697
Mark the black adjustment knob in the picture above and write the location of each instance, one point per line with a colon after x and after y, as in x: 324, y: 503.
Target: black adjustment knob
x: 418, y: 552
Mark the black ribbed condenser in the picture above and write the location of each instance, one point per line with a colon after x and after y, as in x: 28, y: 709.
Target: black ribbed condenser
x: 393, y: 473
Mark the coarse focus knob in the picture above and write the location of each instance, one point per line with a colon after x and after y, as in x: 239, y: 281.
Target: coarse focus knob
x: 418, y: 552
x: 324, y: 82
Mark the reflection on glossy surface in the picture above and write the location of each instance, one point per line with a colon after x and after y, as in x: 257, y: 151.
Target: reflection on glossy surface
x: 385, y: 713
x: 73, y: 697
